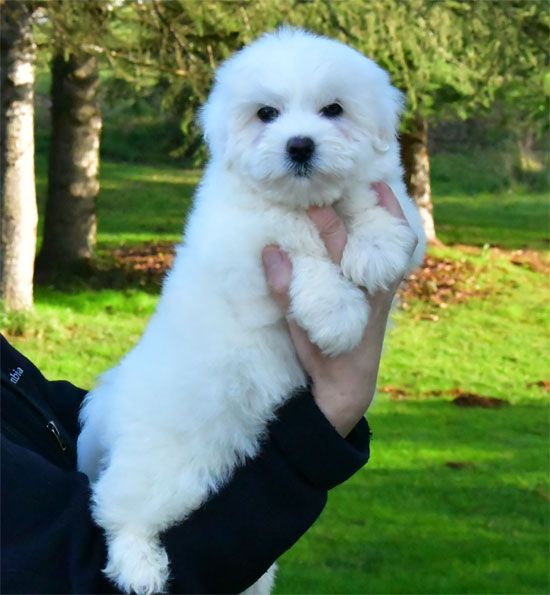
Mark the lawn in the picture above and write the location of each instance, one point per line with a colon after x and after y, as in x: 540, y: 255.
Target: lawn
x: 454, y: 500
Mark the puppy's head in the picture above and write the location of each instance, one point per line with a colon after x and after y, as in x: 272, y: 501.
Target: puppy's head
x: 298, y: 116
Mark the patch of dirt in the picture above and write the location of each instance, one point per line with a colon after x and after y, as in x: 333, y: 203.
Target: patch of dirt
x: 474, y: 400
x: 441, y: 282
x: 460, y: 464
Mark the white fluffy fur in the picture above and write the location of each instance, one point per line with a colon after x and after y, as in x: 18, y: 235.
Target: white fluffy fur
x: 190, y: 402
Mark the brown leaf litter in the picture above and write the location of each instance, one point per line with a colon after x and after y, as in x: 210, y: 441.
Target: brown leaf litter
x: 461, y: 398
x: 441, y: 282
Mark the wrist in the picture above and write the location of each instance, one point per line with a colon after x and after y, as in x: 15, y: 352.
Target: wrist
x: 342, y: 409
x: 381, y: 303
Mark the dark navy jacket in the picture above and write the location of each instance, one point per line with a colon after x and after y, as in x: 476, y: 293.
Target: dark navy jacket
x: 50, y: 543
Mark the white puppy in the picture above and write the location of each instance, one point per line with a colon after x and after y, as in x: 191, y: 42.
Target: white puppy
x: 293, y: 120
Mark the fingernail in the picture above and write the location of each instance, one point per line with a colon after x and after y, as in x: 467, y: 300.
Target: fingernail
x: 272, y: 258
x: 378, y: 187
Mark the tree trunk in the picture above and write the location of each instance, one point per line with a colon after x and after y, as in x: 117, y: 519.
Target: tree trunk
x: 73, y: 184
x: 17, y: 188
x: 416, y: 160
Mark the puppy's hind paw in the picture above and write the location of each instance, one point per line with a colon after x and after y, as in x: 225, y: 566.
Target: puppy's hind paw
x: 137, y: 564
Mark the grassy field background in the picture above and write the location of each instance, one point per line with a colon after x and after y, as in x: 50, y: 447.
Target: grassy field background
x: 454, y: 500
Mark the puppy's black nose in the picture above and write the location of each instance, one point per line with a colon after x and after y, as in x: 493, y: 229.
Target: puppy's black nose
x: 300, y: 148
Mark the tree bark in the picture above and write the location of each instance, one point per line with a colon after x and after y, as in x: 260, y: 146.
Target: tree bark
x: 17, y: 186
x: 416, y: 161
x: 73, y: 184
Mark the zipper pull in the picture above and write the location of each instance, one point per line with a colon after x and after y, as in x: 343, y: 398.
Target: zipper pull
x: 53, y: 429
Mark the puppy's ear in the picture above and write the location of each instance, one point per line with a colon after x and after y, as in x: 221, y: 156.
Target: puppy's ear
x: 213, y: 121
x: 390, y: 109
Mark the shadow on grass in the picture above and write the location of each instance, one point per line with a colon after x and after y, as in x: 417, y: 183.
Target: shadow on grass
x: 136, y: 202
x: 507, y: 221
x: 106, y: 271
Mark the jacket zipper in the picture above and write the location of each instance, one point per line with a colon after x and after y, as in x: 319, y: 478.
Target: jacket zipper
x: 44, y: 416
x: 55, y: 431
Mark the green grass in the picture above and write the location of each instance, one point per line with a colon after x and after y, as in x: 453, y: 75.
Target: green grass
x: 482, y: 198
x: 137, y: 203
x: 407, y: 523
x: 512, y: 219
x: 410, y: 524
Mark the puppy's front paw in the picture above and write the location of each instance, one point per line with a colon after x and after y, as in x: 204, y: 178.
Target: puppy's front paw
x: 335, y: 320
x: 136, y: 563
x: 378, y: 259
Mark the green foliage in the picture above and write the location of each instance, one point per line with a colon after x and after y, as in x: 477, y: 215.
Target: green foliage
x: 451, y: 57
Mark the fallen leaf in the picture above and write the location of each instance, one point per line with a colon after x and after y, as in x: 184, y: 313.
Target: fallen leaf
x: 395, y: 392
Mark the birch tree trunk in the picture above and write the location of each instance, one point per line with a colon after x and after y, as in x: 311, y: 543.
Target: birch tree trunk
x: 17, y: 187
x: 73, y: 184
x: 416, y: 160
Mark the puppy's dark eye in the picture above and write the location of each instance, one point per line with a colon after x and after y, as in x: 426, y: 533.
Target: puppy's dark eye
x: 332, y: 111
x: 267, y: 113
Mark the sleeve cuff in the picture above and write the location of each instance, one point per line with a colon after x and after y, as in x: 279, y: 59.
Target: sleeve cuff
x: 313, y: 447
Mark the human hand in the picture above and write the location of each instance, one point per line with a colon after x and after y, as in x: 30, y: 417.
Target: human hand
x: 343, y: 386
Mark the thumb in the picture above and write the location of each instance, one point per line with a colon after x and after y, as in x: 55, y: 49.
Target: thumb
x: 387, y: 199
x: 278, y: 272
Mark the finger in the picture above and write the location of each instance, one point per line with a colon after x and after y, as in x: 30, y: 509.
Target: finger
x: 308, y: 353
x: 331, y: 229
x: 387, y: 199
x: 278, y: 272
